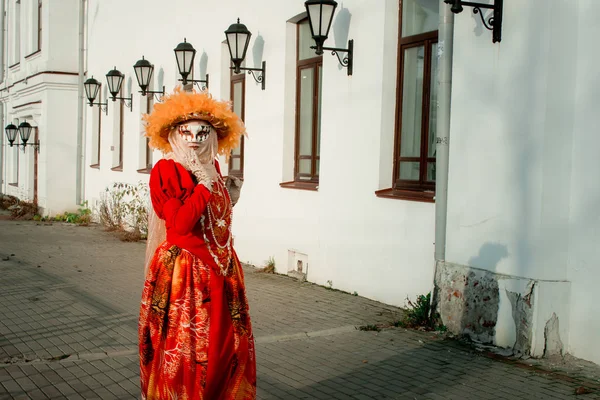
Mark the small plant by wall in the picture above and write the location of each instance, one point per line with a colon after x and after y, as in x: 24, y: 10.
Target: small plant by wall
x: 269, y: 267
x: 419, y: 315
x: 123, y: 207
x: 83, y: 216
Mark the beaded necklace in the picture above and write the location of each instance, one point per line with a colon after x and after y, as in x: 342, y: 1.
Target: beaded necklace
x: 219, y: 221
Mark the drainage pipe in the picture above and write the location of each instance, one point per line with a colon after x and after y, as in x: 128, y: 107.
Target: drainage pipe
x: 445, y: 45
x: 80, y: 170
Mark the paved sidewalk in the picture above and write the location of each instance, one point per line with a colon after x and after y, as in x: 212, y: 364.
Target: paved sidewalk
x: 69, y: 300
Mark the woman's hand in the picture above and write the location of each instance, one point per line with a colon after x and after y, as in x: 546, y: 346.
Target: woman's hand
x: 199, y: 170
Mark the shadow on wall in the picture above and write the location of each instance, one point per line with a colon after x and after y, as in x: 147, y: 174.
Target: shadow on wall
x: 479, y: 28
x: 203, y: 65
x: 257, y: 50
x: 489, y: 254
x: 341, y: 29
x: 160, y: 78
x: 480, y: 293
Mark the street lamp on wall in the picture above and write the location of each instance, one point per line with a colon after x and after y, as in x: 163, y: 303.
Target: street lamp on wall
x: 24, y: 130
x: 238, y: 38
x: 185, y: 54
x: 143, y: 72
x: 115, y: 79
x: 320, y: 16
x: 494, y: 23
x: 92, y: 87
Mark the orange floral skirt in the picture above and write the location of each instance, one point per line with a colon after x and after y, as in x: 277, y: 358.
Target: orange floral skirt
x: 195, y: 337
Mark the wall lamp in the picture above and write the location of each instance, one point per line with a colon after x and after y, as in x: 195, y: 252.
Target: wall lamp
x: 494, y: 23
x: 115, y: 80
x: 238, y: 38
x: 92, y: 87
x: 185, y: 54
x: 24, y: 130
x: 320, y: 16
x: 143, y: 72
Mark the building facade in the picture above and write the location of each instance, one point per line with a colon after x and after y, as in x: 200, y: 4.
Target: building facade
x: 39, y: 86
x: 340, y: 170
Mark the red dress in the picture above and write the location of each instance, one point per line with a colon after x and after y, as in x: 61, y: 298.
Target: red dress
x: 195, y: 336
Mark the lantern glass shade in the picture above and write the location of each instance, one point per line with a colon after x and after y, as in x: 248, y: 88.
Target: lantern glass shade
x: 185, y: 53
x: 238, y: 38
x: 320, y: 16
x: 92, y: 86
x: 25, y: 131
x: 143, y: 72
x: 11, y: 133
x: 115, y: 80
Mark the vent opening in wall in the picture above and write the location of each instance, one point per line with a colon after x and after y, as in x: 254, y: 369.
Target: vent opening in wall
x: 297, y: 265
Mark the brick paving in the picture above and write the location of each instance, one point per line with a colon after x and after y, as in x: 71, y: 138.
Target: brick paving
x: 69, y: 300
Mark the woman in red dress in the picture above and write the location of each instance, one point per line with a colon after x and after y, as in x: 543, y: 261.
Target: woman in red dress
x: 195, y: 336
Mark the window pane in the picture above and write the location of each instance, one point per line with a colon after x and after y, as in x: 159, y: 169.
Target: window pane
x: 235, y: 163
x: 320, y: 69
x: 419, y: 16
x: 409, y: 171
x: 237, y: 98
x: 431, y: 172
x: 236, y: 151
x: 412, y: 98
x: 433, y: 102
x: 307, y: 82
x: 305, y: 40
x: 304, y: 166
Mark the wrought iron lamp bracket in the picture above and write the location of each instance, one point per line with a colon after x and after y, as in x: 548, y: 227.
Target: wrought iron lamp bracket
x: 157, y: 94
x: 35, y: 145
x: 260, y: 78
x: 197, y: 82
x: 347, y: 60
x: 103, y: 106
x: 493, y: 23
x: 128, y: 101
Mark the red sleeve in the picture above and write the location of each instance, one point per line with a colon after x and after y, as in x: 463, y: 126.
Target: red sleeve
x: 175, y: 197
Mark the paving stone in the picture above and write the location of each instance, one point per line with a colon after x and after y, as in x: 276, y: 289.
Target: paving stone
x: 307, y: 352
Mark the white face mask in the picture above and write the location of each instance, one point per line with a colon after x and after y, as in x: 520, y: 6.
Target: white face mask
x: 194, y: 133
x: 194, y: 138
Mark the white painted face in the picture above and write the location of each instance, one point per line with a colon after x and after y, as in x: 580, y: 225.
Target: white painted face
x: 194, y: 133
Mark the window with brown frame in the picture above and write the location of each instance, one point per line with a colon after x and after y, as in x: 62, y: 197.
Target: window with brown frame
x: 414, y: 149
x: 96, y: 143
x: 309, y: 74
x: 14, y: 181
x: 121, y: 128
x: 149, y: 105
x: 238, y: 99
x: 119, y: 166
x: 39, y: 25
x: 17, y: 34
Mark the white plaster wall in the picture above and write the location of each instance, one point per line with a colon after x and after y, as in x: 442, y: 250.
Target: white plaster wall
x: 511, y: 128
x: 584, y: 227
x: 381, y: 248
x: 61, y: 34
x: 522, y: 197
x: 41, y: 78
x: 60, y: 150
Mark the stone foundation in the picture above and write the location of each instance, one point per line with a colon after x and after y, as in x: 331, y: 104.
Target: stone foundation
x: 528, y: 316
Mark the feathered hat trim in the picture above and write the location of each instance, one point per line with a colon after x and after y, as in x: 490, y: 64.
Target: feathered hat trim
x: 183, y: 106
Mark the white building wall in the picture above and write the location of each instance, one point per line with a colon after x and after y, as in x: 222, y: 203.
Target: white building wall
x: 584, y: 216
x: 380, y: 248
x: 42, y: 89
x: 524, y: 125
